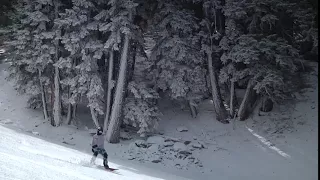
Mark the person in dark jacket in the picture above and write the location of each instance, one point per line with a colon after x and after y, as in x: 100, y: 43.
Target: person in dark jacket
x: 98, y: 147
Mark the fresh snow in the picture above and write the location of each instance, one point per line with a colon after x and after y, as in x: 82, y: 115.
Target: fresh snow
x: 276, y: 145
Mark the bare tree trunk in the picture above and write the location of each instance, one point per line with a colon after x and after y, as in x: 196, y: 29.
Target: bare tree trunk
x: 113, y: 132
x: 57, y: 98
x: 232, y: 98
x: 74, y: 112
x: 110, y: 87
x: 94, y: 117
x: 43, y: 97
x: 221, y: 112
x: 193, y: 109
x: 69, y: 115
x: 51, y: 105
x: 244, y: 107
x: 57, y: 104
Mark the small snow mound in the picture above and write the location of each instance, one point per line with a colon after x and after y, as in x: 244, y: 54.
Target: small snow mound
x: 182, y: 129
x: 154, y: 148
x: 156, y: 140
x: 6, y: 121
x: 155, y: 159
x: 178, y: 146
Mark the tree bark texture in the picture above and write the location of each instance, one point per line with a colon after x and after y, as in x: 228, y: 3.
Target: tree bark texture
x: 193, y: 109
x: 94, y: 117
x: 113, y: 133
x: 232, y: 99
x: 69, y: 114
x: 247, y: 102
x: 220, y: 110
x: 57, y: 98
x: 109, y: 90
x: 43, y: 97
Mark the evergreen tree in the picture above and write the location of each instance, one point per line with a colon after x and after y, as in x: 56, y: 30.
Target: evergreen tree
x: 178, y: 66
x: 84, y: 50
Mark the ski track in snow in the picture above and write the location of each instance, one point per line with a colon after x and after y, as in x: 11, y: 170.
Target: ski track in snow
x: 268, y: 143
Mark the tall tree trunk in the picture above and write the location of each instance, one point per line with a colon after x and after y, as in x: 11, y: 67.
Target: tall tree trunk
x: 43, y: 97
x: 69, y: 115
x: 51, y: 105
x: 57, y: 102
x: 113, y: 132
x: 220, y: 110
x: 193, y: 108
x: 74, y: 112
x: 57, y: 98
x: 94, y: 117
x: 232, y: 99
x: 110, y: 87
x: 243, y: 111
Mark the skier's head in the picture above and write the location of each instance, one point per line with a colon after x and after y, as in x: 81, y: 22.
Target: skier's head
x: 99, y: 130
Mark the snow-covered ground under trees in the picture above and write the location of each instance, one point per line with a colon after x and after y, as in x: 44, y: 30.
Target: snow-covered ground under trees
x: 282, y: 144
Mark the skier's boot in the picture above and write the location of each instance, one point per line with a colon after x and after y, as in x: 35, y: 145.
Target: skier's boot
x: 105, y: 163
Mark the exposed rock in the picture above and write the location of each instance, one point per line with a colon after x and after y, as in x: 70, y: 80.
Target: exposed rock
x: 131, y: 157
x: 182, y: 129
x: 187, y: 142
x: 194, y: 138
x: 141, y: 143
x: 202, y: 144
x: 197, y: 145
x: 166, y: 138
x: 168, y: 143
x: 185, y: 152
x: 125, y: 136
x: 155, y: 159
x: 71, y: 144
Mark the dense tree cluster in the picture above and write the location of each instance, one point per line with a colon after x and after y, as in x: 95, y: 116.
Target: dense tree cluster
x: 119, y: 56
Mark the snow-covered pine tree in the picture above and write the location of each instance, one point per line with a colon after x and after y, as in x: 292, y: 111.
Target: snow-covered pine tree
x: 258, y: 56
x: 80, y: 39
x: 232, y: 12
x: 140, y: 110
x: 304, y: 28
x: 178, y: 67
x: 211, y: 33
x: 34, y: 52
x: 111, y: 38
x: 121, y: 15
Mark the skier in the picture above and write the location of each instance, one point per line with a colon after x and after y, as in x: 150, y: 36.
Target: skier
x: 98, y: 147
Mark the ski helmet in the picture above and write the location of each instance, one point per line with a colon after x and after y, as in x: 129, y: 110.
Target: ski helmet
x: 99, y: 130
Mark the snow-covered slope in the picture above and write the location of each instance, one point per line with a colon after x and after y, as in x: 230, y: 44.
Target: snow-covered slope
x: 279, y: 145
x: 24, y: 157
